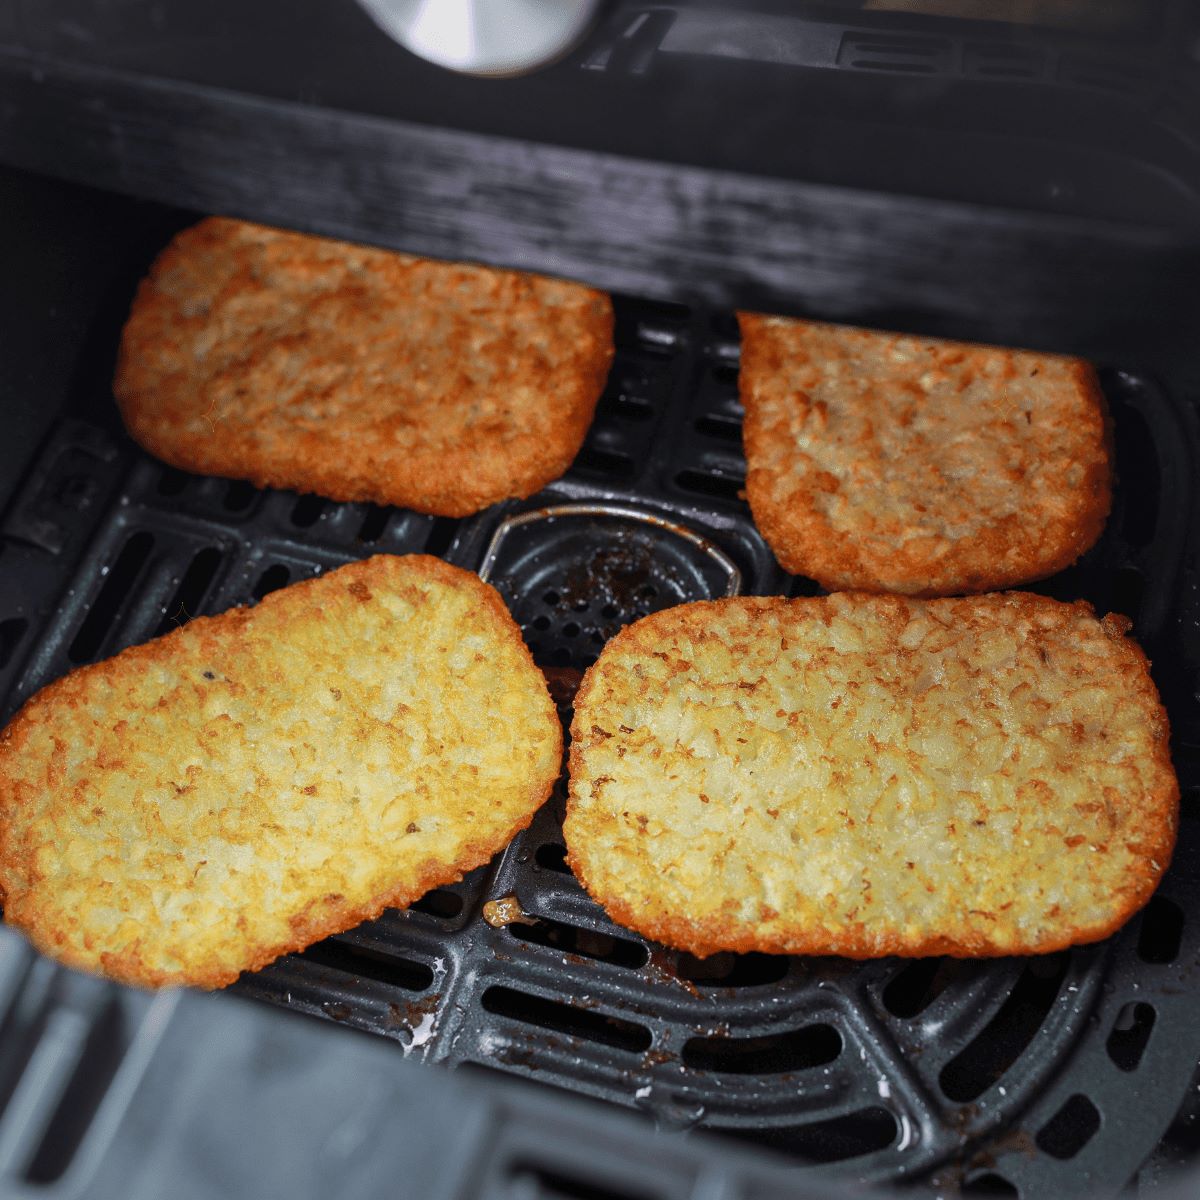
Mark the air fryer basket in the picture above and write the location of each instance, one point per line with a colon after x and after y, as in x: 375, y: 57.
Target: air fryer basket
x: 1038, y: 1077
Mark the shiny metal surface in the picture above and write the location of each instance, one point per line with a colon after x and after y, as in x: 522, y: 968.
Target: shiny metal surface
x: 485, y: 37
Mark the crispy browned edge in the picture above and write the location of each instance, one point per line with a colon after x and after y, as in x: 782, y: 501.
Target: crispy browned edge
x: 712, y: 936
x: 321, y: 917
x: 460, y: 483
x: 810, y: 547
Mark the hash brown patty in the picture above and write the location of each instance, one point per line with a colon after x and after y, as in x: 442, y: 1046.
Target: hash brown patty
x: 252, y: 782
x: 871, y: 775
x: 360, y: 374
x: 900, y: 464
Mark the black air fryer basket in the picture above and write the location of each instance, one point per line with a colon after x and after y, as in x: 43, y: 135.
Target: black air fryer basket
x: 1073, y: 1074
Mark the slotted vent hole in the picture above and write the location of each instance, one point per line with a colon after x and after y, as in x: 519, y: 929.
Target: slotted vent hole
x: 584, y: 1023
x: 441, y: 536
x: 991, y: 1185
x: 1161, y: 931
x: 239, y: 495
x: 585, y: 943
x: 1130, y: 1035
x: 732, y: 970
x: 705, y: 483
x: 917, y: 985
x: 772, y: 1054
x: 185, y: 604
x: 1128, y: 586
x: 625, y: 406
x: 11, y: 633
x: 374, y: 523
x: 725, y: 429
x: 1001, y: 1042
x: 1189, y: 808
x: 308, y: 510
x: 552, y: 857
x: 1139, y: 471
x: 107, y: 604
x: 803, y: 586
x: 531, y: 1182
x: 1070, y: 1129
x: 725, y: 324
x: 658, y: 333
x: 725, y: 374
x: 353, y: 960
x: 439, y: 903
x: 103, y: 1051
x: 604, y: 462
x: 271, y: 580
x: 172, y: 481
x: 835, y: 1139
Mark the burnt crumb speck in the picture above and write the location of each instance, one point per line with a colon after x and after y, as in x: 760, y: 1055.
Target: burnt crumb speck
x: 209, y: 675
x: 412, y: 827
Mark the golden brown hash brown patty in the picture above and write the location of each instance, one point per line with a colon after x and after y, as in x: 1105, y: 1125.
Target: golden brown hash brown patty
x: 360, y: 374
x: 913, y: 465
x: 871, y: 775
x: 246, y: 785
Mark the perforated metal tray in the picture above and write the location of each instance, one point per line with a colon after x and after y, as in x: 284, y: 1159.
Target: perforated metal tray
x: 1051, y: 1076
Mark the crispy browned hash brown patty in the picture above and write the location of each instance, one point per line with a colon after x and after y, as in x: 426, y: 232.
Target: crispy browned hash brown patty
x: 359, y: 374
x: 914, y: 465
x: 871, y: 775
x: 244, y: 786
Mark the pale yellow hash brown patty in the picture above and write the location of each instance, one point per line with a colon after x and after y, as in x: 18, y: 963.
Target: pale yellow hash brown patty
x: 914, y: 465
x: 246, y: 785
x: 869, y: 775
x: 360, y: 374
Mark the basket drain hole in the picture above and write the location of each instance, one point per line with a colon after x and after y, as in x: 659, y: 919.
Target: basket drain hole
x: 351, y: 960
x: 582, y: 1023
x: 106, y: 607
x: 172, y: 481
x: 100, y: 1055
x: 1138, y: 460
x: 984, y: 1060
x: 725, y: 429
x: 585, y: 943
x: 308, y: 510
x: 1161, y: 931
x: 992, y: 1185
x: 850, y: 1136
x: 374, y: 523
x: 185, y: 604
x: 553, y: 857
x: 1070, y: 1129
x: 705, y: 483
x: 536, y: 1183
x: 439, y: 903
x: 1128, y: 586
x: 239, y: 495
x: 1130, y: 1035
x: 732, y: 970
x: 271, y: 580
x: 773, y: 1054
x: 11, y: 632
x: 917, y: 985
x: 441, y: 536
x: 604, y: 462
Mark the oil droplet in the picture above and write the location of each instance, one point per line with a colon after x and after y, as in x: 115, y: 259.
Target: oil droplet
x: 506, y: 911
